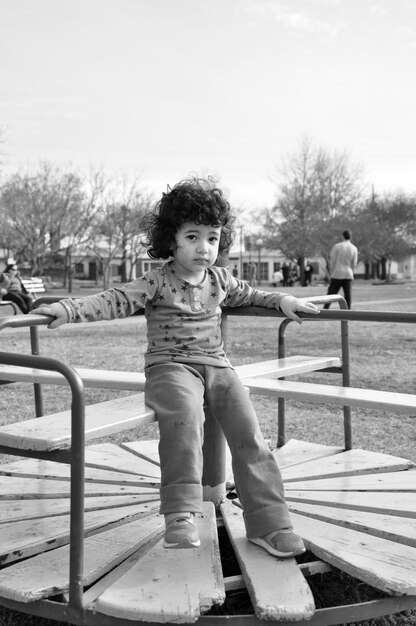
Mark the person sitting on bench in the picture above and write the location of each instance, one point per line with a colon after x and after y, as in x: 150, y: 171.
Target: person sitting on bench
x: 186, y: 366
x: 15, y: 290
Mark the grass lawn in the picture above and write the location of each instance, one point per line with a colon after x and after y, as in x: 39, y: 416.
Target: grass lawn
x: 382, y: 357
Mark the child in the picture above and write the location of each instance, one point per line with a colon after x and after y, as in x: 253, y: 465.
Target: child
x: 186, y: 366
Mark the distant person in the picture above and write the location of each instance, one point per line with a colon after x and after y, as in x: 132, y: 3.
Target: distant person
x: 15, y: 290
x: 342, y: 263
x: 286, y: 274
x: 235, y: 271
x: 308, y: 274
x: 277, y: 278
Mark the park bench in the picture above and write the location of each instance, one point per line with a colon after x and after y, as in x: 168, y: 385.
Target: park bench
x: 34, y: 285
x: 120, y: 573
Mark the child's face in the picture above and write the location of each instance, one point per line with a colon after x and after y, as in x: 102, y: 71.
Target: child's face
x: 196, y: 248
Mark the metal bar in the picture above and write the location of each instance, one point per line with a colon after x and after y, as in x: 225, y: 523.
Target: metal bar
x: 345, y: 369
x: 76, y: 549
x: 37, y: 387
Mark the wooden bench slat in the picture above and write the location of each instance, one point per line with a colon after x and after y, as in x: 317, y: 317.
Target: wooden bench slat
x: 19, y: 540
x: 53, y: 432
x: 344, y: 396
x: 14, y: 488
x: 391, y: 527
x: 295, y: 452
x: 35, y: 468
x: 383, y: 564
x: 287, y: 366
x: 18, y: 510
x: 112, y: 457
x: 170, y: 585
x: 277, y: 588
x: 146, y: 450
x: 48, y: 574
x: 389, y: 481
x: 34, y: 285
x: 94, y: 378
x: 403, y: 504
x: 134, y: 381
x: 349, y: 463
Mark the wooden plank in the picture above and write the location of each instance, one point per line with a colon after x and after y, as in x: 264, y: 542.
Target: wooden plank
x: 94, y: 378
x: 393, y: 481
x: 277, y: 588
x: 36, y: 468
x: 53, y: 432
x: 170, y: 585
x: 147, y: 450
x: 48, y: 574
x: 288, y: 366
x: 349, y: 463
x: 17, y: 510
x: 344, y: 396
x: 381, y: 563
x: 295, y: 452
x: 112, y: 457
x: 403, y: 504
x: 392, y: 527
x: 19, y: 540
x: 14, y: 488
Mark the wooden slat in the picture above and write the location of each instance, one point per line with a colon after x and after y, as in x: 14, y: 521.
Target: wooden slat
x: 134, y: 381
x: 147, y: 450
x: 47, y: 574
x: 170, y: 585
x: 344, y: 396
x: 53, y: 432
x: 393, y: 481
x: 389, y: 503
x: 392, y: 527
x: 19, y: 540
x: 35, y: 468
x: 295, y: 452
x: 383, y: 564
x: 94, y: 378
x: 288, y: 366
x: 277, y: 588
x: 17, y: 510
x: 14, y: 488
x: 349, y: 463
x: 112, y: 457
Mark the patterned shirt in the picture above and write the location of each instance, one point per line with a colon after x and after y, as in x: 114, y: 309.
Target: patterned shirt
x: 183, y: 320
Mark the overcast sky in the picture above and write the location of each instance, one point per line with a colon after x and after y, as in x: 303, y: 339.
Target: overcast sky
x: 169, y: 87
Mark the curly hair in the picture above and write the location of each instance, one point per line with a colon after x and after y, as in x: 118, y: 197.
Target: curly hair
x: 195, y: 200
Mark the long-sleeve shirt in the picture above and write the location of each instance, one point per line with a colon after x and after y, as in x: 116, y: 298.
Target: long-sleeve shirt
x: 343, y: 260
x: 183, y: 320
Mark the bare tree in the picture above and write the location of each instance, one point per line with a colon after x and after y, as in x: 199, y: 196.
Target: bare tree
x: 385, y: 230
x: 116, y: 230
x: 317, y: 192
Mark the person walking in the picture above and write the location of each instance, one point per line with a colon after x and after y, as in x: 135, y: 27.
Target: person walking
x: 342, y: 263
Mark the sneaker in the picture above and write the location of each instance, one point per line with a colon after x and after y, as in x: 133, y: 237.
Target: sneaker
x: 181, y: 531
x: 284, y: 543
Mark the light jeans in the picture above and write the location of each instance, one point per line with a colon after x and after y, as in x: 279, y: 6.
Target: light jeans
x: 177, y: 392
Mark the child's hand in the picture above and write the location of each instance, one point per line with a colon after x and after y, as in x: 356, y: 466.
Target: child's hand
x: 289, y: 305
x: 57, y: 311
